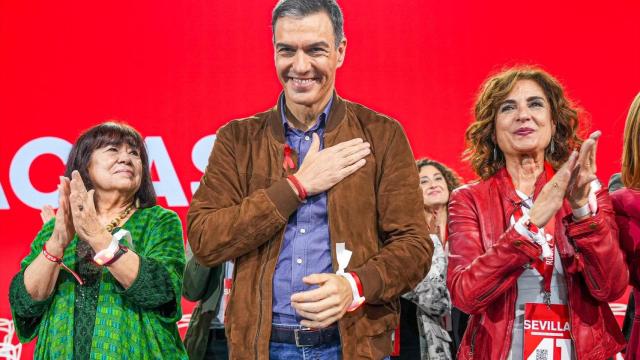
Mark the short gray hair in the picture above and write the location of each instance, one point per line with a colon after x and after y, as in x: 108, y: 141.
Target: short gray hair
x: 302, y: 8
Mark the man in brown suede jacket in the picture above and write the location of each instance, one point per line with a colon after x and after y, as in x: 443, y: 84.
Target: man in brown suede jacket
x: 285, y: 193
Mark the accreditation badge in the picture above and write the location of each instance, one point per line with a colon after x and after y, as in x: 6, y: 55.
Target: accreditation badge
x: 547, y: 332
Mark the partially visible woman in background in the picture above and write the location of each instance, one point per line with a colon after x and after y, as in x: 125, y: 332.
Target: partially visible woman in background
x: 427, y: 308
x: 626, y: 203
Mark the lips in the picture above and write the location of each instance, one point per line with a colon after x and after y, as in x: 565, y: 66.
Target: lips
x: 125, y: 171
x: 302, y: 84
x: 524, y: 131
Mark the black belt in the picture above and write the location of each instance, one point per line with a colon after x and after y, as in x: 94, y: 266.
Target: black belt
x: 217, y: 334
x: 302, y: 337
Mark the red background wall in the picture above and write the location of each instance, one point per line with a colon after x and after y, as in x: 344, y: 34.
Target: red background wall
x: 179, y: 70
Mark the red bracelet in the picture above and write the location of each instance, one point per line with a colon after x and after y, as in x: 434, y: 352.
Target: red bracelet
x: 531, y: 226
x: 58, y: 260
x: 358, y: 283
x: 50, y: 257
x: 302, y: 193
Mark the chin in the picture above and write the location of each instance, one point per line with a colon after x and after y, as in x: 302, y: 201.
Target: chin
x: 306, y: 98
x: 437, y: 201
x: 529, y: 150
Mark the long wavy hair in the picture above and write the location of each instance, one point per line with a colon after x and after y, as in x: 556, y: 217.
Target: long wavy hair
x: 480, y: 135
x: 631, y: 147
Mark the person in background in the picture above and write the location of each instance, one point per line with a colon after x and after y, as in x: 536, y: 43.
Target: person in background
x: 615, y: 183
x: 205, y: 338
x: 425, y: 316
x: 535, y: 240
x: 626, y: 202
x: 103, y: 276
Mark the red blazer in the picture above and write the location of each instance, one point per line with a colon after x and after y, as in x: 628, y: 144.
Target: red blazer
x: 487, y: 255
x: 626, y: 203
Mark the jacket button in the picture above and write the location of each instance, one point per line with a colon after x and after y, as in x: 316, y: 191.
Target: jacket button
x: 517, y: 243
x: 592, y: 226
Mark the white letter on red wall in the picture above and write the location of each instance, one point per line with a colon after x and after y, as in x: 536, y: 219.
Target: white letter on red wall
x: 19, y: 170
x: 200, y: 156
x: 169, y: 185
x: 4, y: 204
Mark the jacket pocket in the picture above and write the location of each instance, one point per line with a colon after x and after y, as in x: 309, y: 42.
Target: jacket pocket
x: 374, y: 329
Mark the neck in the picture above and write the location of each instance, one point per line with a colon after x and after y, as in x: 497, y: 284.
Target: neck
x: 304, y: 117
x: 438, y: 209
x: 524, y: 170
x: 111, y: 203
x: 441, y: 213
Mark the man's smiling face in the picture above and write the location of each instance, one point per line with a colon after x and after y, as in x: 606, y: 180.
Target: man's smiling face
x: 307, y: 58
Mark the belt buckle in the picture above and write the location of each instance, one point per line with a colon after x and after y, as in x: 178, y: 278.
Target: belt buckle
x: 297, y: 337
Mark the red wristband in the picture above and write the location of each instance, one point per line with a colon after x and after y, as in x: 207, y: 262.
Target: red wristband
x: 531, y: 226
x: 50, y: 257
x: 302, y: 193
x: 358, y: 283
x: 58, y: 260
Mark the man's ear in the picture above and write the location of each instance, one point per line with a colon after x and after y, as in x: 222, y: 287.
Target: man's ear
x: 342, y: 50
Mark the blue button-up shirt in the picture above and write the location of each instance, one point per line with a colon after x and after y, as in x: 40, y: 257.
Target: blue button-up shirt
x: 306, y: 248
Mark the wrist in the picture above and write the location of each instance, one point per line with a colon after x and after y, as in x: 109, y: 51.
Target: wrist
x: 298, y: 187
x: 102, y: 241
x: 55, y: 248
x: 532, y: 222
x: 106, y: 254
x: 579, y: 203
x: 357, y: 295
x: 582, y: 212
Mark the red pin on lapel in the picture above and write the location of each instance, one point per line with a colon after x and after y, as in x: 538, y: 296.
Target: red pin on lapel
x: 288, y: 161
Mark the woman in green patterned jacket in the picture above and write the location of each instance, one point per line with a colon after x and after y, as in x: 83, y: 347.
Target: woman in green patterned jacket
x: 103, y: 278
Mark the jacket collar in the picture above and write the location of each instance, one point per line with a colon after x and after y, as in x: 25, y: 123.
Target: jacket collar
x: 336, y: 115
x: 507, y: 188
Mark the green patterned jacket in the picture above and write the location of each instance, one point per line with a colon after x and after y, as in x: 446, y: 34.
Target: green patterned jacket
x: 128, y: 324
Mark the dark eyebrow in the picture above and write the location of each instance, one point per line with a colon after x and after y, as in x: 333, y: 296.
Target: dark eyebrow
x: 508, y: 101
x: 318, y: 44
x: 283, y: 45
x: 321, y: 44
x: 532, y: 98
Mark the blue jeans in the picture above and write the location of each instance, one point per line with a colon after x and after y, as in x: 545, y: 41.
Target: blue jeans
x: 283, y: 351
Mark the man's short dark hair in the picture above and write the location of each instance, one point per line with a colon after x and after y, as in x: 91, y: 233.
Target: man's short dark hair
x: 302, y: 8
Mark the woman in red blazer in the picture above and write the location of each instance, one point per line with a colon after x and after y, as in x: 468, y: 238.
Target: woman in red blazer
x: 626, y: 203
x: 534, y: 252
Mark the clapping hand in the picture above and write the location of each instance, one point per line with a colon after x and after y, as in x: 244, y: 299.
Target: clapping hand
x: 584, y: 172
x: 571, y: 181
x: 47, y: 213
x: 63, y: 231
x: 85, y: 217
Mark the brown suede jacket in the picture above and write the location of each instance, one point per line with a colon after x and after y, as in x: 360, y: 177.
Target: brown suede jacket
x: 241, y: 208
